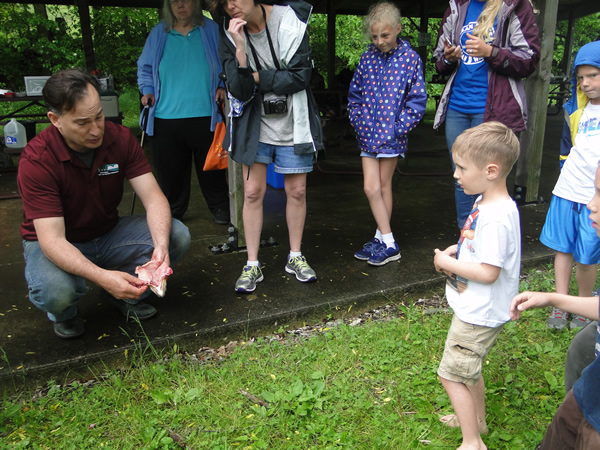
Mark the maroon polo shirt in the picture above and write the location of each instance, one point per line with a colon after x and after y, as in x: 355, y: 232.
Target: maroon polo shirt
x: 55, y: 183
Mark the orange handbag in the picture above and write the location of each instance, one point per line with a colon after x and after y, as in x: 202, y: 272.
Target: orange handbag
x: 216, y: 157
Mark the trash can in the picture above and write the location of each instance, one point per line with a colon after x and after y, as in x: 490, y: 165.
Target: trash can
x: 29, y: 125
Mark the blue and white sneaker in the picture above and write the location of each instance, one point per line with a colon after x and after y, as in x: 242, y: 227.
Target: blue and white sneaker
x: 369, y: 249
x: 384, y: 255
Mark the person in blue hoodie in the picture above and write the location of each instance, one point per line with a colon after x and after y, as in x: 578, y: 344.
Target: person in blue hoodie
x: 567, y: 229
x: 387, y: 99
x: 178, y: 77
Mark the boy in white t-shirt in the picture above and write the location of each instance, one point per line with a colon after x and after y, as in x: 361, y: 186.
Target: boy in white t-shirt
x: 483, y: 272
x: 567, y: 228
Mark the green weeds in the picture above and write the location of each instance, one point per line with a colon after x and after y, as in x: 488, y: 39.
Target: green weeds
x: 368, y: 386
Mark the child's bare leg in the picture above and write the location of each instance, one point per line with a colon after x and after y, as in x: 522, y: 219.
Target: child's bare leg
x: 372, y: 187
x: 466, y: 406
x: 563, y: 268
x: 478, y: 394
x: 586, y: 278
x: 387, y: 166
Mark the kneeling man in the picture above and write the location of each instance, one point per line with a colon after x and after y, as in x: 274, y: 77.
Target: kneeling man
x: 71, y: 180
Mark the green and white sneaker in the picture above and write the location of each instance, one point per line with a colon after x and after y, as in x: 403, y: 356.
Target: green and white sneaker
x: 251, y: 275
x: 299, y: 267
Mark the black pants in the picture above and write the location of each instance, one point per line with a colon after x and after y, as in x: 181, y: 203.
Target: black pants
x: 175, y: 143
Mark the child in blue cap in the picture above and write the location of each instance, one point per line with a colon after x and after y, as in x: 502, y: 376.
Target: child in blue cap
x: 567, y: 229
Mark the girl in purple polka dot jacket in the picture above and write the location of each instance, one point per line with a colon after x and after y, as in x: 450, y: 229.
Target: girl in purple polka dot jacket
x: 387, y: 99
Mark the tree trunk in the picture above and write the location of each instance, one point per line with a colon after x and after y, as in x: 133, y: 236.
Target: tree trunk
x: 40, y: 10
x: 86, y: 34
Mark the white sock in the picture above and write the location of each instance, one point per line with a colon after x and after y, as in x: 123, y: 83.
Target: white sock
x: 388, y: 239
x: 292, y: 254
x: 252, y: 263
x: 378, y: 235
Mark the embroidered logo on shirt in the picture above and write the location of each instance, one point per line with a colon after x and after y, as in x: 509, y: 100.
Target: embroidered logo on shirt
x: 108, y: 169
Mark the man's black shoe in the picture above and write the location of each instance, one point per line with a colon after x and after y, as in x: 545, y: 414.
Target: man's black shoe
x: 221, y: 216
x: 69, y: 329
x: 141, y: 310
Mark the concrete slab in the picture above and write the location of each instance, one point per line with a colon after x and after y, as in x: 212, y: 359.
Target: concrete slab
x: 201, y: 305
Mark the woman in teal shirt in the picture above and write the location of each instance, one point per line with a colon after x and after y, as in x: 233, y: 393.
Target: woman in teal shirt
x: 178, y: 76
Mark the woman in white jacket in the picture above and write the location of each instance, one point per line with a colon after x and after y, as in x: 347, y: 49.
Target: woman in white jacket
x: 266, y: 58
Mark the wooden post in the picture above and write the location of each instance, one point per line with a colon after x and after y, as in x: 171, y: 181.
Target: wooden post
x: 86, y: 34
x: 236, y: 194
x: 536, y: 87
x: 236, y: 199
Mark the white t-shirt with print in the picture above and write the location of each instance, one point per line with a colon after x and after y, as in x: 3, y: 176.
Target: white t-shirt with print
x: 576, y: 180
x: 496, y: 241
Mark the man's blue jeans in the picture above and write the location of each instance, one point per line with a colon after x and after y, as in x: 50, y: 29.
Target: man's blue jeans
x: 456, y: 123
x: 127, y: 245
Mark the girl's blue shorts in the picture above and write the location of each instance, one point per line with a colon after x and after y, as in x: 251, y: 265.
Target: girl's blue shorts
x: 568, y: 229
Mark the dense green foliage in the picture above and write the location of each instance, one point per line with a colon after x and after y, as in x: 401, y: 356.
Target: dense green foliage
x: 43, y: 40
x: 352, y: 41
x: 31, y: 44
x: 40, y: 39
x: 586, y: 29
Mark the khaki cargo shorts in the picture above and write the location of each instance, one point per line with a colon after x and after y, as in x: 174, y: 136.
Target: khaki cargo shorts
x: 466, y: 347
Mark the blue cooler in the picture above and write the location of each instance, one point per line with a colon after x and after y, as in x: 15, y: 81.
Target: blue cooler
x: 274, y: 179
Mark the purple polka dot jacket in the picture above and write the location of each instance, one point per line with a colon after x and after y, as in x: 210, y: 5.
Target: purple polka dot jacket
x: 387, y: 98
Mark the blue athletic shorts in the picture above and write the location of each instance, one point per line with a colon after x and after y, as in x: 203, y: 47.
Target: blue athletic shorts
x: 286, y: 161
x: 568, y: 229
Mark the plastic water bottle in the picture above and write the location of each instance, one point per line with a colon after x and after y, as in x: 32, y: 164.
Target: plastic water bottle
x: 14, y: 134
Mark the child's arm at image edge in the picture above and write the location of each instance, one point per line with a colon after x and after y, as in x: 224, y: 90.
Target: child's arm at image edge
x: 583, y: 306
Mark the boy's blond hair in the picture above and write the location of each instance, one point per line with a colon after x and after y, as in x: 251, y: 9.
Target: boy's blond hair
x: 490, y: 142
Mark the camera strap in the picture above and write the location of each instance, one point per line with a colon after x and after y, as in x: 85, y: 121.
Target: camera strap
x: 254, y: 54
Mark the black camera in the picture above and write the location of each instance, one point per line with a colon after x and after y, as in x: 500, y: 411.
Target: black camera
x: 275, y: 106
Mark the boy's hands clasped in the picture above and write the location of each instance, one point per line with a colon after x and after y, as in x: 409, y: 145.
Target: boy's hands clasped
x: 441, y: 259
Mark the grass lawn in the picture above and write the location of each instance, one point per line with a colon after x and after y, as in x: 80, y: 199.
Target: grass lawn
x: 368, y: 385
